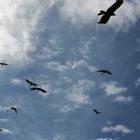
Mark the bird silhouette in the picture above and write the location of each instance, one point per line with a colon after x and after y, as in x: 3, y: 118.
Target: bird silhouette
x: 105, y: 71
x: 38, y: 89
x: 97, y: 112
x: 31, y: 83
x: 110, y: 12
x: 1, y: 129
x: 2, y: 64
x: 12, y: 109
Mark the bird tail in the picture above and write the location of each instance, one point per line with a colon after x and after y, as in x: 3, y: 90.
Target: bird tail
x: 101, y: 13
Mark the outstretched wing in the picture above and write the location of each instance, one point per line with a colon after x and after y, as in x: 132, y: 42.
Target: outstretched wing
x: 95, y: 111
x: 43, y: 90
x: 31, y: 83
x: 100, y: 71
x: 28, y: 81
x: 115, y: 6
x: 108, y: 72
x: 15, y: 110
x: 104, y: 19
x: 34, y: 88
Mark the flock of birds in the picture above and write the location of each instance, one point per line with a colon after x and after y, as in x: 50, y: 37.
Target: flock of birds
x: 104, y: 19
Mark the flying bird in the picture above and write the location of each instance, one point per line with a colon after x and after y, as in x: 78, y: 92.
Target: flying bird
x: 31, y: 83
x: 38, y: 89
x: 97, y: 112
x: 12, y: 109
x: 105, y: 71
x: 110, y: 12
x: 2, y: 64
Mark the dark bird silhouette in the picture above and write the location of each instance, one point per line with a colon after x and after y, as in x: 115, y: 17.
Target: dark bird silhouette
x: 12, y: 109
x: 110, y: 12
x: 31, y: 83
x: 105, y: 71
x: 2, y: 64
x: 38, y: 89
x: 97, y: 112
x: 1, y: 129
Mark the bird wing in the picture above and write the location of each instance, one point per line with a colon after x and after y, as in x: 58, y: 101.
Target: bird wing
x: 28, y: 81
x: 34, y: 88
x: 99, y: 71
x: 95, y: 111
x: 15, y: 110
x: 31, y: 83
x: 104, y: 19
x: 115, y: 6
x: 108, y: 72
x: 43, y: 90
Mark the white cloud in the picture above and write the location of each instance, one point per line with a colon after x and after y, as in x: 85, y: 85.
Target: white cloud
x: 123, y: 99
x: 83, y: 12
x: 138, y: 67
x: 57, y: 66
x: 117, y: 129
x: 104, y: 139
x: 137, y: 83
x: 78, y: 92
x: 59, y: 137
x: 3, y: 120
x: 68, y: 108
x: 52, y: 50
x: 18, y: 21
x: 77, y: 95
x: 16, y: 81
x: 113, y: 88
x: 3, y: 108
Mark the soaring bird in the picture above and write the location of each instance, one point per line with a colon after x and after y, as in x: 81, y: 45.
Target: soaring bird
x: 97, y: 112
x: 105, y: 71
x: 38, y: 89
x: 110, y: 12
x: 2, y: 64
x: 31, y: 83
x: 12, y: 109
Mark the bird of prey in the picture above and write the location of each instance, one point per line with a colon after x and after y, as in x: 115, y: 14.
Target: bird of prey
x: 12, y: 109
x: 31, y: 83
x: 38, y: 89
x: 105, y: 71
x: 97, y: 112
x: 110, y: 12
x: 2, y: 64
x: 1, y: 129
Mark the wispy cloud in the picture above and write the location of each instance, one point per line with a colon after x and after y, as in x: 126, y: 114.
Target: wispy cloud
x: 104, y: 139
x: 3, y: 120
x: 137, y: 83
x: 138, y: 67
x: 16, y: 81
x: 59, y: 137
x: 78, y: 95
x: 123, y: 99
x: 117, y: 129
x: 78, y: 92
x: 113, y: 88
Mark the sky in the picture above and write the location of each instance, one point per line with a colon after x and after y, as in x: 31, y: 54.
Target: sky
x: 59, y: 45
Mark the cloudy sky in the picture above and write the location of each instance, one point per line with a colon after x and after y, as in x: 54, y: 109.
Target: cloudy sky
x: 59, y: 45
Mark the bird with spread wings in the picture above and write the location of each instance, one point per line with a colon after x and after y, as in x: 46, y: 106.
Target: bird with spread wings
x: 110, y: 12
